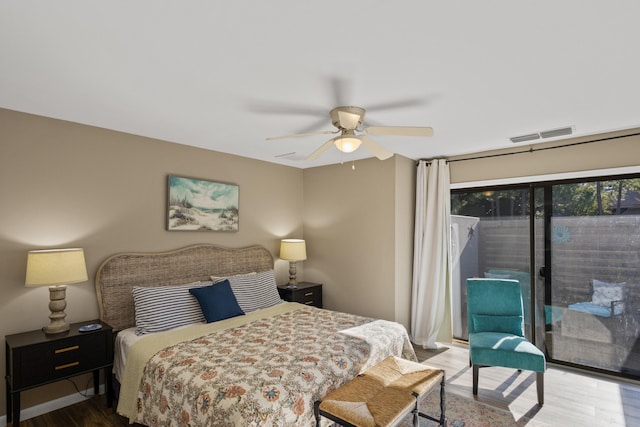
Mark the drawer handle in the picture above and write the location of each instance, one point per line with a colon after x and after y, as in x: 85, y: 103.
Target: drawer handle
x: 308, y: 294
x: 62, y: 350
x: 308, y: 302
x: 68, y: 365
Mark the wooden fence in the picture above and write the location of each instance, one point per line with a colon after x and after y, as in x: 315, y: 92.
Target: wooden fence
x: 605, y: 248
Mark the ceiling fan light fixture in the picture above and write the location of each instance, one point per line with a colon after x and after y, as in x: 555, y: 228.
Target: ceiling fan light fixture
x: 347, y: 144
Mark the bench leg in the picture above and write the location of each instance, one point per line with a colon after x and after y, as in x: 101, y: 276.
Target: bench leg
x: 316, y: 412
x: 443, y: 405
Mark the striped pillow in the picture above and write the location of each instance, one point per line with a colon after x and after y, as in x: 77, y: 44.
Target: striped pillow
x: 267, y: 289
x: 166, y: 307
x: 253, y: 291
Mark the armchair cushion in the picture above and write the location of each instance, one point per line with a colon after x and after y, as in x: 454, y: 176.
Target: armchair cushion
x: 498, y: 323
x: 507, y: 350
x: 492, y: 275
x: 520, y: 276
x: 607, y: 299
x: 594, y: 309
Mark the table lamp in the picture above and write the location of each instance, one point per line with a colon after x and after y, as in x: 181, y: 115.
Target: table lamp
x: 56, y: 268
x: 293, y: 250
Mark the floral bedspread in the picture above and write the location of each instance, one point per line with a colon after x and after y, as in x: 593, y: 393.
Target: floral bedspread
x: 265, y: 373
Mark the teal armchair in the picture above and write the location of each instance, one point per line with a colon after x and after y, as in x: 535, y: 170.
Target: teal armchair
x: 525, y: 287
x: 496, y: 330
x: 551, y: 314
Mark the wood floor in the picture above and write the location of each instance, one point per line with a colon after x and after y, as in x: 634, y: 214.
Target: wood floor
x: 92, y: 412
x: 571, y: 398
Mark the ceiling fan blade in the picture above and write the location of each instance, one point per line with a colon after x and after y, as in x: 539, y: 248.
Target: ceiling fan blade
x: 313, y: 127
x: 403, y: 103
x: 324, y: 147
x: 264, y: 107
x: 375, y: 148
x: 399, y: 130
x: 339, y: 89
x: 298, y: 135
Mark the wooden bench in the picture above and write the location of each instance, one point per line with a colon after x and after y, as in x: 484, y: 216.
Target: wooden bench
x: 383, y: 396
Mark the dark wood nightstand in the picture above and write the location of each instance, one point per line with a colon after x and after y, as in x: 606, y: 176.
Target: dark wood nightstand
x: 304, y: 293
x: 35, y: 358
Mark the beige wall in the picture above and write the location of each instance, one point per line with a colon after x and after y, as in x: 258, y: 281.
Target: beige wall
x: 358, y: 226
x: 613, y: 150
x: 405, y: 190
x: 66, y: 185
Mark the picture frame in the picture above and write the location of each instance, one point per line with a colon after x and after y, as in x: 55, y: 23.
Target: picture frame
x: 201, y: 205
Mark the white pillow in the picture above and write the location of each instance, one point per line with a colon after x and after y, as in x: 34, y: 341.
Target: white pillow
x: 253, y: 291
x: 604, y: 293
x: 165, y: 307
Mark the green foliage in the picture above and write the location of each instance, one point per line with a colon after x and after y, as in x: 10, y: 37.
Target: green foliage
x: 592, y: 198
x: 589, y: 198
x: 490, y: 203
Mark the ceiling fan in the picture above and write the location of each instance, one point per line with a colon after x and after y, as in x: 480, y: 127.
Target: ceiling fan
x: 349, y: 123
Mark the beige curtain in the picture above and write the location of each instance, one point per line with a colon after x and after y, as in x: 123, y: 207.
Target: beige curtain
x: 431, y: 255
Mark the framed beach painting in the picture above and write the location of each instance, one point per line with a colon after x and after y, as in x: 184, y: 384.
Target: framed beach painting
x: 197, y: 204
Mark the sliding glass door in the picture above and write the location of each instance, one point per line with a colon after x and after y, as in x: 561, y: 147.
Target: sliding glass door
x: 575, y: 249
x: 592, y: 273
x: 490, y: 238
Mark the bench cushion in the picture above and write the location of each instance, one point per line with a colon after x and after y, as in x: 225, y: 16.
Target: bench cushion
x: 406, y: 375
x: 383, y: 395
x: 364, y: 402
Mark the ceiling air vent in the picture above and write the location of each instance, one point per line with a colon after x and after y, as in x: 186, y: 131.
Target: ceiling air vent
x: 557, y: 132
x: 553, y: 133
x: 525, y: 138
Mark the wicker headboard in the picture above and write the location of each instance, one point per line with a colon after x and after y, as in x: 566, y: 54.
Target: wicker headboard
x: 119, y: 273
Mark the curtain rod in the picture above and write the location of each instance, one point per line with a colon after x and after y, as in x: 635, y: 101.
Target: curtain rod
x: 531, y: 149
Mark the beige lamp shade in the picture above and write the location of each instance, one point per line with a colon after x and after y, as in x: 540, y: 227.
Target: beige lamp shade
x: 293, y: 250
x: 55, y: 267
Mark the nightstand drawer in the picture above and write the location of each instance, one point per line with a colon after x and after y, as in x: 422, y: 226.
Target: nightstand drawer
x: 308, y: 296
x: 50, y: 361
x: 305, y: 293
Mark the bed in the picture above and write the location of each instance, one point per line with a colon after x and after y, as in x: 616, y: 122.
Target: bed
x: 265, y: 367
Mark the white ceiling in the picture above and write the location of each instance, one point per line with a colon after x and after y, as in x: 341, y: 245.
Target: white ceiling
x: 226, y: 75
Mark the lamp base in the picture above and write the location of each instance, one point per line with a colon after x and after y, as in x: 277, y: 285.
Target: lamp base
x: 57, y: 304
x: 56, y: 327
x: 292, y: 275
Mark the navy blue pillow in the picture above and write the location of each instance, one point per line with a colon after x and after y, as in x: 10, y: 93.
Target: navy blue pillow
x: 217, y: 301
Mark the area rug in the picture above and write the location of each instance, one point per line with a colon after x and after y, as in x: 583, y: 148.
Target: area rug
x: 463, y: 412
